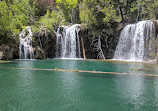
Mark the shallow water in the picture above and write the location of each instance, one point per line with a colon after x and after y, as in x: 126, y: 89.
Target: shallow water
x: 36, y: 90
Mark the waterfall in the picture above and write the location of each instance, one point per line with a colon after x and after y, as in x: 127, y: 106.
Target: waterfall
x: 68, y: 42
x: 134, y: 41
x: 25, y: 47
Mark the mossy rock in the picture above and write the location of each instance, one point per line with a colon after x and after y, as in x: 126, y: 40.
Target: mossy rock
x: 4, y: 62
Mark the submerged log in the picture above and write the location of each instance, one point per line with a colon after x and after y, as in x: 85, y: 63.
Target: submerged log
x: 81, y: 71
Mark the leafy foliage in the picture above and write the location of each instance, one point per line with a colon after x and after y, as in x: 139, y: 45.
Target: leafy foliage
x: 98, y: 13
x: 52, y: 19
x: 5, y: 18
x: 68, y: 7
x: 16, y: 14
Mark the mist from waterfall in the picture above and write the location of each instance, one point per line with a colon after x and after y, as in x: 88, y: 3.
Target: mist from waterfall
x: 25, y: 47
x: 68, y: 42
x: 133, y: 42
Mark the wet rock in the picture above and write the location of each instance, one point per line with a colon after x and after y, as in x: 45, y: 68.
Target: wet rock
x: 6, y: 52
x: 39, y: 53
x: 44, y: 44
x: 109, y: 40
x: 1, y: 54
x: 9, y: 50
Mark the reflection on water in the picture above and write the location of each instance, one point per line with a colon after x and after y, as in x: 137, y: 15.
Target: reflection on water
x: 26, y: 78
x: 155, y: 91
x: 31, y: 90
x: 70, y: 85
x: 137, y: 68
x: 27, y: 90
x: 131, y: 89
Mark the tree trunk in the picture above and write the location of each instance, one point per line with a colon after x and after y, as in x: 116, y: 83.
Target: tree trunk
x: 120, y: 7
x: 84, y: 55
x: 157, y: 57
x: 121, y: 14
x: 137, y: 15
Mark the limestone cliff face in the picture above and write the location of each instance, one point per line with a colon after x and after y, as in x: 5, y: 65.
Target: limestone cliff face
x: 108, y: 42
x: 44, y: 44
x: 50, y: 3
x: 9, y: 50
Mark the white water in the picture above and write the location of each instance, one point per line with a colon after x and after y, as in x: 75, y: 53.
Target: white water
x: 68, y: 42
x: 25, y: 47
x: 133, y: 42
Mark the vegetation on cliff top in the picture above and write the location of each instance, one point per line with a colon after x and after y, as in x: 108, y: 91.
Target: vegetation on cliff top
x: 16, y: 14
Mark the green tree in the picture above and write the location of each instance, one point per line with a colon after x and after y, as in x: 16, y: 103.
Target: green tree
x: 86, y: 14
x: 68, y: 7
x: 5, y: 18
x: 28, y: 8
x: 109, y: 11
x: 98, y: 12
x: 145, y: 9
x: 52, y: 20
x: 14, y: 15
x: 24, y: 12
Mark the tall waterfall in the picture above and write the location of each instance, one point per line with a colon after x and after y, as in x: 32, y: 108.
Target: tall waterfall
x: 25, y: 47
x: 134, y: 41
x: 68, y: 42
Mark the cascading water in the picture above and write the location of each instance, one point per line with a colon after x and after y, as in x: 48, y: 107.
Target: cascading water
x: 68, y: 43
x: 134, y: 41
x: 25, y: 47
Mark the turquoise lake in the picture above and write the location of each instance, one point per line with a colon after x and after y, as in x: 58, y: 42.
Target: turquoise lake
x: 44, y: 90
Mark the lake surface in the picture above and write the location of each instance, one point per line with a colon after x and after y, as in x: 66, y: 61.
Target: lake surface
x: 44, y: 90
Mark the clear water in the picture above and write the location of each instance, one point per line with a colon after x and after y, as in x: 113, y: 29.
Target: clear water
x: 30, y: 90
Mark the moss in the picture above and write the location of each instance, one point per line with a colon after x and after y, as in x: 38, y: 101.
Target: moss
x: 140, y: 69
x: 35, y: 28
x: 56, y: 68
x: 4, y: 61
